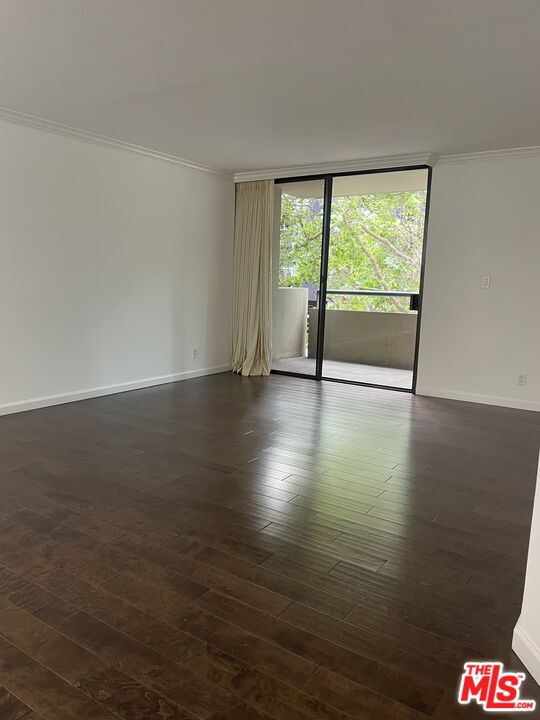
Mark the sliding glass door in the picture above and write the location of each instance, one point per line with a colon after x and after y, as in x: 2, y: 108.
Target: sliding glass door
x: 374, y: 266
x: 348, y: 274
x: 296, y: 275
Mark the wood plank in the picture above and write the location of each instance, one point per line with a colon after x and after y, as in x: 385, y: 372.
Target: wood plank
x: 11, y: 708
x: 244, y: 548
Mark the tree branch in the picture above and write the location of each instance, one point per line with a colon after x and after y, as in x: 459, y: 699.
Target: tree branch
x: 386, y: 242
x: 308, y: 238
x: 380, y: 276
x: 375, y: 265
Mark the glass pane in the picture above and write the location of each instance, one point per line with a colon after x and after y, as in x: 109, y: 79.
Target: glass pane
x: 375, y: 256
x: 296, y: 270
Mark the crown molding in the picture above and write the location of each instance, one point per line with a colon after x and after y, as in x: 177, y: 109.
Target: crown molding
x: 506, y: 154
x: 377, y: 163
x: 396, y: 161
x: 57, y: 128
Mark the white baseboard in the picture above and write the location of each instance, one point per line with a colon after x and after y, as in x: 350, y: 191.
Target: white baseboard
x: 47, y: 400
x: 527, y: 651
x: 478, y: 398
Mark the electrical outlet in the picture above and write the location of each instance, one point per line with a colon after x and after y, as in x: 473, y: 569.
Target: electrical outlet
x: 195, y: 353
x: 486, y: 282
x: 522, y: 379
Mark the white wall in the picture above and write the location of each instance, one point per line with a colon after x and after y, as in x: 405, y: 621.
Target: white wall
x: 113, y: 267
x: 526, y: 642
x: 485, y: 220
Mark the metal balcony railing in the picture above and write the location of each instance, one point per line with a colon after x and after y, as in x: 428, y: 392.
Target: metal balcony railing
x: 414, y: 296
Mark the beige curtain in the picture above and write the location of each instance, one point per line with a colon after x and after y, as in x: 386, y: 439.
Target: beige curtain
x: 252, y: 304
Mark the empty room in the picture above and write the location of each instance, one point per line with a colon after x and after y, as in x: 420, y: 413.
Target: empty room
x: 269, y: 359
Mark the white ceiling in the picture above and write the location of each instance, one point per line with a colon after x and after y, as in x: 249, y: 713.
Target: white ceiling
x: 252, y: 84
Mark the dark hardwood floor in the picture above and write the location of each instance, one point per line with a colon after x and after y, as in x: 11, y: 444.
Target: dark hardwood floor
x: 235, y: 548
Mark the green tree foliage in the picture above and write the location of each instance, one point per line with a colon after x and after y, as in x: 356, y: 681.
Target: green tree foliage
x: 375, y: 243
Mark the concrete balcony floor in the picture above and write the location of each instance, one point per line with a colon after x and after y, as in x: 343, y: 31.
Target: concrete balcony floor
x: 393, y: 377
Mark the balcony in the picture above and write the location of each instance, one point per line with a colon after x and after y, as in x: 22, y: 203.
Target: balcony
x: 361, y: 346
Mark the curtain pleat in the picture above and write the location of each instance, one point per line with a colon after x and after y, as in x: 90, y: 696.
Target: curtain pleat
x: 252, y: 303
